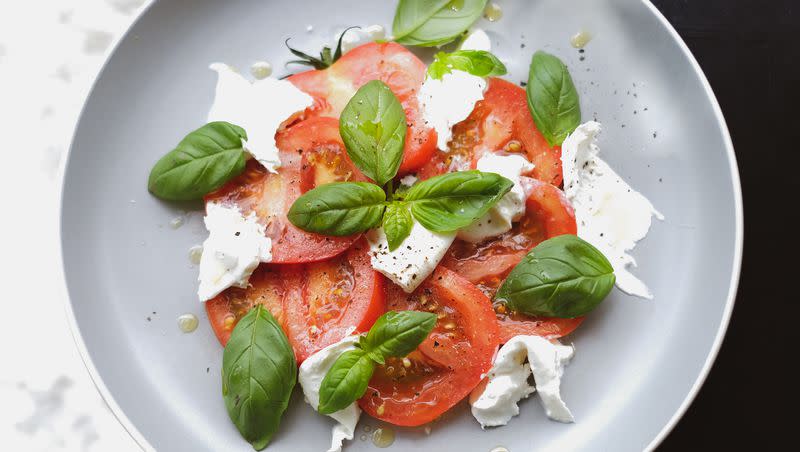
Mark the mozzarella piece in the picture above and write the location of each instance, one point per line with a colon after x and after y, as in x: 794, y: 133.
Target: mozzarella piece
x: 507, y: 384
x: 235, y: 246
x: 477, y: 40
x: 610, y: 214
x: 259, y: 108
x: 408, y: 180
x: 511, y: 207
x: 414, y: 260
x: 448, y: 101
x: 310, y: 376
x: 355, y: 37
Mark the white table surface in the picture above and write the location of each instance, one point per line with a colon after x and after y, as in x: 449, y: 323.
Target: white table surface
x: 50, y: 51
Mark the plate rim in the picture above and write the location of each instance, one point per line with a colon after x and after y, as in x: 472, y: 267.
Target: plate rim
x: 733, y: 169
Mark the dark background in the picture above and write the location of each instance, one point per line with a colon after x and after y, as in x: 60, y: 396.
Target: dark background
x: 749, y: 52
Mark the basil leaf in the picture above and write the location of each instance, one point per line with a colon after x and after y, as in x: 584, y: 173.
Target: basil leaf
x: 561, y: 277
x: 452, y: 201
x: 552, y: 98
x: 339, y: 208
x: 397, y: 224
x: 476, y: 62
x: 430, y: 23
x: 201, y: 163
x: 393, y: 334
x: 397, y: 334
x: 258, y: 374
x: 346, y: 381
x: 373, y: 127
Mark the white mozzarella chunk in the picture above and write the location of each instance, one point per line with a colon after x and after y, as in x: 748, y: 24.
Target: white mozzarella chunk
x: 259, y: 108
x: 496, y: 403
x: 511, y: 207
x: 448, y: 101
x: 477, y: 40
x: 414, y: 260
x: 310, y: 376
x: 235, y: 246
x: 408, y: 180
x: 355, y: 37
x: 610, y: 214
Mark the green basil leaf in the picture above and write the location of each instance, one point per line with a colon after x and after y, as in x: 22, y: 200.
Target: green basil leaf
x: 552, y: 98
x: 452, y: 201
x: 430, y: 23
x: 258, y: 374
x: 476, y: 62
x: 339, y: 208
x: 373, y: 127
x: 397, y: 224
x: 394, y: 334
x: 346, y: 381
x: 562, y: 277
x: 201, y: 163
x: 397, y: 334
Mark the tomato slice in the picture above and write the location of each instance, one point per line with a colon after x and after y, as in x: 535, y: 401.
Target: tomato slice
x: 391, y: 63
x: 317, y: 303
x: 267, y: 287
x: 332, y: 299
x: 312, y: 153
x: 486, y: 264
x: 448, y: 364
x: 499, y: 122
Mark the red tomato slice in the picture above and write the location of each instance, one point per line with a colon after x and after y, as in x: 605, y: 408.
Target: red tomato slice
x: 332, y: 299
x: 391, y: 63
x: 447, y: 365
x: 267, y: 288
x: 317, y: 304
x: 312, y: 153
x: 548, y: 214
x: 499, y: 122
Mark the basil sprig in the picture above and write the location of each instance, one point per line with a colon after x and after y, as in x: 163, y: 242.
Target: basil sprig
x: 476, y: 62
x: 394, y: 334
x: 201, y: 163
x: 373, y: 128
x: 443, y: 203
x: 562, y: 277
x: 258, y: 375
x: 552, y: 98
x: 430, y: 23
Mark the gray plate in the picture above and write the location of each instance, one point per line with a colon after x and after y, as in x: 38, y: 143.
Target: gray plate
x: 638, y: 363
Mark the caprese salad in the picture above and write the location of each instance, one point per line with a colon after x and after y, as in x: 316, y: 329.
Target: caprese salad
x: 399, y: 237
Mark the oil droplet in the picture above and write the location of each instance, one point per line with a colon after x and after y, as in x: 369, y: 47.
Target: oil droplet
x: 580, y: 39
x: 188, y: 322
x: 367, y: 428
x: 176, y: 222
x: 456, y: 5
x: 195, y: 253
x: 499, y: 449
x: 261, y: 70
x: 363, y: 437
x: 493, y: 12
x: 383, y: 437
